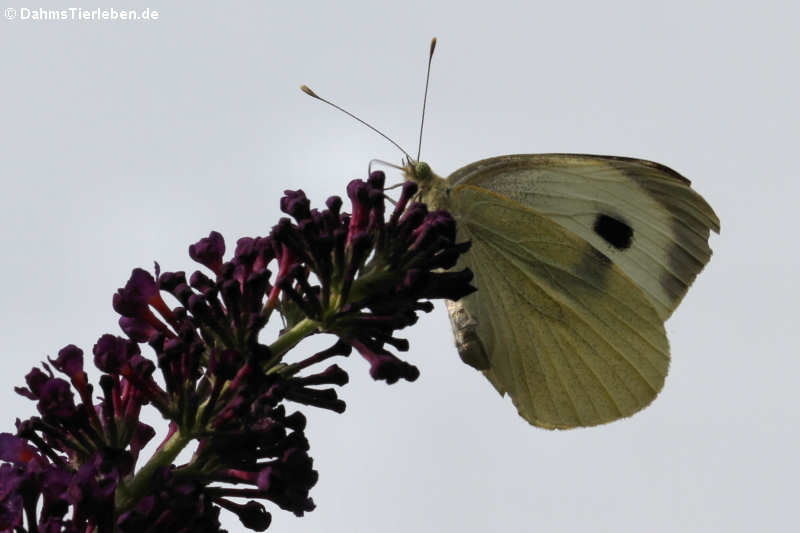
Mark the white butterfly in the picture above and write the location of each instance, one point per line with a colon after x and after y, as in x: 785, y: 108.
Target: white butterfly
x: 578, y: 261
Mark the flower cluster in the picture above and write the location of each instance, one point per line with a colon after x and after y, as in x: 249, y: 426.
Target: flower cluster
x: 359, y: 276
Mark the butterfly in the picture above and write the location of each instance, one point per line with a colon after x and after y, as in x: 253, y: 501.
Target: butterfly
x: 578, y: 261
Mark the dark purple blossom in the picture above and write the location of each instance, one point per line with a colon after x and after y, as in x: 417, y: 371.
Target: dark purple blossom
x: 209, y: 251
x: 357, y: 276
x: 70, y: 362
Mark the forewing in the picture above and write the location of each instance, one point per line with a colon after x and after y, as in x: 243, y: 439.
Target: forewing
x: 567, y: 334
x: 600, y: 198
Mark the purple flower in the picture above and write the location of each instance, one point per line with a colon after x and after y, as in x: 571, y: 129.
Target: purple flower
x: 209, y: 251
x: 135, y: 299
x: 383, y: 365
x: 11, y: 498
x: 207, y: 370
x: 70, y: 362
x: 16, y: 450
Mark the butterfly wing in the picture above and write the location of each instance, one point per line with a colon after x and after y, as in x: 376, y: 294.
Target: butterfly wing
x: 642, y: 215
x: 566, y: 333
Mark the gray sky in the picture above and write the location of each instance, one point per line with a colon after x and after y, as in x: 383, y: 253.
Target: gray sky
x: 124, y: 142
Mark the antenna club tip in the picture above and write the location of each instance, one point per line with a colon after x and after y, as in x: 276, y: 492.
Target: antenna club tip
x: 306, y: 89
x: 433, y: 45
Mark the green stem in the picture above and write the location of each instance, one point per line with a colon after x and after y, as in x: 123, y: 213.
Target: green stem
x: 129, y: 494
x: 360, y: 289
x: 288, y: 340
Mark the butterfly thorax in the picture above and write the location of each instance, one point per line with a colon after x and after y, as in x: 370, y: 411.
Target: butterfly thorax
x: 432, y: 187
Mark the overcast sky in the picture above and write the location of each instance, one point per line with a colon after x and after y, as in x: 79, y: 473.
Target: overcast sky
x: 123, y: 142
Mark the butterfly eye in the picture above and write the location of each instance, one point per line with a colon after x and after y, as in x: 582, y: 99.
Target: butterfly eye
x: 614, y: 231
x: 423, y: 172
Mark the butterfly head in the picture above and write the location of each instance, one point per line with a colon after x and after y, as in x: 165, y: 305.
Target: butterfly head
x: 418, y: 171
x: 431, y: 186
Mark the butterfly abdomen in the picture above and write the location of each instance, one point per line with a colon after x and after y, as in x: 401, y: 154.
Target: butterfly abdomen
x: 469, y: 344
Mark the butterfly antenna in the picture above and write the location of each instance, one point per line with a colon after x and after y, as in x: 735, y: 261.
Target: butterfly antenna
x: 425, y: 98
x: 382, y: 162
x: 306, y: 89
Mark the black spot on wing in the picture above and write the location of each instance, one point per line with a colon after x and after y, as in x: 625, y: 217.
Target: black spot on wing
x: 614, y: 231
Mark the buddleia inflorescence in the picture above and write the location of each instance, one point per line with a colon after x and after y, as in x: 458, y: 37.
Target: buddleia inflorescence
x: 359, y: 276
